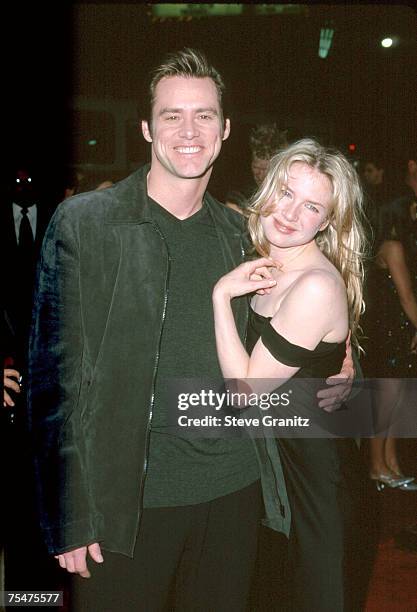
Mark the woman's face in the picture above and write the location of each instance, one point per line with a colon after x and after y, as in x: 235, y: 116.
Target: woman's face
x: 413, y: 211
x: 300, y: 210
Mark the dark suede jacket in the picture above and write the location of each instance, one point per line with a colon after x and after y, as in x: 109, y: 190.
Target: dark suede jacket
x: 98, y: 318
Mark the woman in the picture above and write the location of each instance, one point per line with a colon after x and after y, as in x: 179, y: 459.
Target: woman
x: 305, y: 222
x: 390, y: 324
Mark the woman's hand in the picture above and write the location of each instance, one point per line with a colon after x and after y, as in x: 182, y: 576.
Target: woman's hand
x: 249, y: 277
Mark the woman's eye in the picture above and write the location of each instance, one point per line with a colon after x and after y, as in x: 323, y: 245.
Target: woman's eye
x: 312, y: 207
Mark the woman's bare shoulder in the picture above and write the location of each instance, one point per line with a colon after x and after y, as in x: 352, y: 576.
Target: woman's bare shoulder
x: 319, y: 281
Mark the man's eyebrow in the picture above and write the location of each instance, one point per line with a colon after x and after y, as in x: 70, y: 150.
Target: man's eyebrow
x: 169, y: 110
x: 208, y: 109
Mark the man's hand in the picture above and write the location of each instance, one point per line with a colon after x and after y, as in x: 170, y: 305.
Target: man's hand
x: 340, y: 384
x: 75, y: 561
x: 10, y: 380
x: 413, y: 346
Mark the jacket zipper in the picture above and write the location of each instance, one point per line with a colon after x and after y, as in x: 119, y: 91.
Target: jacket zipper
x: 155, y: 369
x: 245, y: 335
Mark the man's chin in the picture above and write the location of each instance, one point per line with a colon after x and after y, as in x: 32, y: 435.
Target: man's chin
x: 196, y: 173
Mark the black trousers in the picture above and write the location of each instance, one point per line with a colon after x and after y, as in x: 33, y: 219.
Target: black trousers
x: 323, y: 478
x: 191, y: 558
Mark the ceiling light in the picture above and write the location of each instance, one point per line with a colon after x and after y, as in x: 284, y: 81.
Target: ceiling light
x: 387, y: 42
x: 326, y: 38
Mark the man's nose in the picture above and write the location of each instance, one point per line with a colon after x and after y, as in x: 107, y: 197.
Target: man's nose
x: 189, y: 129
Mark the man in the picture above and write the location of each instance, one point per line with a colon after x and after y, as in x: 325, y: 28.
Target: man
x: 24, y: 219
x: 124, y: 303
x: 373, y: 172
x: 265, y: 140
x: 377, y: 184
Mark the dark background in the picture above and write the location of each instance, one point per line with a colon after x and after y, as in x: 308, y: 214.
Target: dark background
x: 361, y: 93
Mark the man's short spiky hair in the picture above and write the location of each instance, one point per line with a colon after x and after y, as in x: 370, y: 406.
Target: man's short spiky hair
x: 266, y: 140
x: 189, y: 63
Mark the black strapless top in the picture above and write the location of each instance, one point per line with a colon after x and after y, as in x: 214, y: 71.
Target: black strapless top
x: 323, y: 361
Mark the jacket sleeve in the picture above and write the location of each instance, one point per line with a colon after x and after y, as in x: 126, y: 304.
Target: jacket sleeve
x: 56, y: 391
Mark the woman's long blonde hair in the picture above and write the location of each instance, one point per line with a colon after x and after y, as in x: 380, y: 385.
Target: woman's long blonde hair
x: 343, y: 240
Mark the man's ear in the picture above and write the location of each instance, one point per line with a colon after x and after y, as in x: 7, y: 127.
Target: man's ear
x: 411, y: 166
x: 146, y: 131
x: 226, y: 129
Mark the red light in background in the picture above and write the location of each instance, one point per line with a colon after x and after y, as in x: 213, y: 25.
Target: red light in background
x: 352, y: 147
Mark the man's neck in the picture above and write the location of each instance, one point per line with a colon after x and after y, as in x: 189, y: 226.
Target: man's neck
x: 181, y: 197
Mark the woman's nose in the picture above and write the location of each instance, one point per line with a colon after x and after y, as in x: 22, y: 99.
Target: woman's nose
x: 290, y: 211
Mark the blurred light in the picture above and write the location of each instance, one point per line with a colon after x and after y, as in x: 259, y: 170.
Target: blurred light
x: 92, y: 142
x: 387, y: 42
x: 188, y: 11
x: 278, y: 9
x: 326, y: 38
x: 352, y: 147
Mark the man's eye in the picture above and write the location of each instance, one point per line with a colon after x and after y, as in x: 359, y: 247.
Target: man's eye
x: 205, y: 116
x: 171, y: 117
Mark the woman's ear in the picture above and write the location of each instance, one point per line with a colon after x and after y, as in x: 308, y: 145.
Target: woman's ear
x: 323, y: 225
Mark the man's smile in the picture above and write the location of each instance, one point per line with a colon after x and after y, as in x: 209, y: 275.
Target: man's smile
x: 188, y: 150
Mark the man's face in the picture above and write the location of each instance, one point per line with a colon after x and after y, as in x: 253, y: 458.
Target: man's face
x: 411, y: 178
x: 187, y: 131
x: 259, y: 169
x: 372, y: 174
x: 23, y: 188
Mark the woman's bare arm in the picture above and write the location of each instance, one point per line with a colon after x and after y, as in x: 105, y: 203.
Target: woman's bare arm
x: 304, y: 318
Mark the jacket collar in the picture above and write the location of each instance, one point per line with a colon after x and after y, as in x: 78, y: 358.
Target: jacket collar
x: 128, y: 203
x: 128, y: 199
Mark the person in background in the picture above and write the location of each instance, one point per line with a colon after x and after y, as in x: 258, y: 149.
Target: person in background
x: 237, y: 201
x: 79, y: 181
x: 377, y: 183
x: 24, y: 216
x: 11, y: 379
x: 390, y: 323
x: 10, y: 385
x: 375, y: 177
x: 265, y: 140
